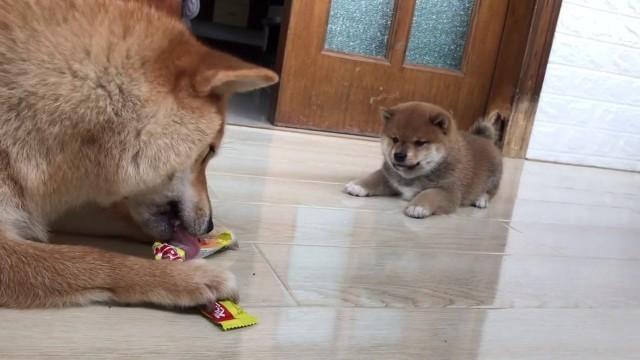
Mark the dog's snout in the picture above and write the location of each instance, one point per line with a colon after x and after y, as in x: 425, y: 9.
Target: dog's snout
x: 210, y: 225
x: 174, y: 210
x: 400, y: 156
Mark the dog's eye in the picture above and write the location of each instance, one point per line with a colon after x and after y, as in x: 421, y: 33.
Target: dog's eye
x: 210, y: 154
x: 395, y: 140
x: 420, y: 143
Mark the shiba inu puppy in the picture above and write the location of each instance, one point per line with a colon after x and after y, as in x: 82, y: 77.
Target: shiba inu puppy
x: 108, y: 102
x: 432, y: 164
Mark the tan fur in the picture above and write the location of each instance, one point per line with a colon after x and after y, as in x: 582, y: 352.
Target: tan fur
x: 116, y: 104
x: 444, y: 168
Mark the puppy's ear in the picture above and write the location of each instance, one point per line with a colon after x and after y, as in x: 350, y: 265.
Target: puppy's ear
x: 441, y: 121
x: 221, y: 74
x: 386, y: 114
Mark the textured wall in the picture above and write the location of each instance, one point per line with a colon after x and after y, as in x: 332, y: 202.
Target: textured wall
x: 589, y: 110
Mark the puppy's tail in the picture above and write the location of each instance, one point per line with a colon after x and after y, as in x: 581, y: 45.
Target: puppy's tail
x: 485, y: 127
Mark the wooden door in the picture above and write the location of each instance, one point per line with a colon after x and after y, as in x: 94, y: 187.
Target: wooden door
x: 346, y: 58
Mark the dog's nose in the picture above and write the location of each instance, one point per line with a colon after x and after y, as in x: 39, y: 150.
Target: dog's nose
x: 400, y: 156
x: 210, y: 226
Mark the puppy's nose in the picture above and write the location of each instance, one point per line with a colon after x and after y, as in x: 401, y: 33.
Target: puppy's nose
x: 210, y: 225
x: 400, y: 156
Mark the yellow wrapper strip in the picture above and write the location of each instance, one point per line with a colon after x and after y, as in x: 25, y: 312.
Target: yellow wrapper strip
x: 217, y: 243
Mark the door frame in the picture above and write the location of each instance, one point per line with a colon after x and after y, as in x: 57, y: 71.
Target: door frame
x: 522, y: 64
x: 520, y: 69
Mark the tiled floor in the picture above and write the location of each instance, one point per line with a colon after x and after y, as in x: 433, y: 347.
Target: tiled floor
x: 551, y: 270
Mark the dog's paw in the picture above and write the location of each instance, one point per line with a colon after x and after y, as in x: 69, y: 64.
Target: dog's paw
x: 219, y: 283
x: 417, y: 212
x: 482, y: 202
x: 356, y: 190
x: 197, y: 282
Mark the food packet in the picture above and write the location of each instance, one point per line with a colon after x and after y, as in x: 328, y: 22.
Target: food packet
x: 208, y: 245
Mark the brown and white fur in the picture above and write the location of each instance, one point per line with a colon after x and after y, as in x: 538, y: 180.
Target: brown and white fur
x: 432, y: 164
x: 114, y: 103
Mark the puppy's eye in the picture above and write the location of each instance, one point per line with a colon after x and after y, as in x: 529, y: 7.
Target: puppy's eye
x: 420, y: 143
x: 395, y: 140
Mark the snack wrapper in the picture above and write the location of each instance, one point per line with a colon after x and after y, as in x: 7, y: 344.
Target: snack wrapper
x: 228, y: 315
x: 217, y: 243
x: 168, y: 252
x: 211, y: 244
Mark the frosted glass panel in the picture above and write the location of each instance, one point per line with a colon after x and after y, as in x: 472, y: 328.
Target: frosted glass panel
x: 359, y: 26
x: 439, y: 33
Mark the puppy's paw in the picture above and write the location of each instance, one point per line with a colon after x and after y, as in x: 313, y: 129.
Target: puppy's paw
x: 417, y: 212
x: 482, y: 202
x: 356, y: 190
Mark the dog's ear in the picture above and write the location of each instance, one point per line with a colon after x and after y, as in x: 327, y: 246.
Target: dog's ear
x: 222, y: 82
x: 441, y: 121
x: 221, y: 74
x: 386, y: 114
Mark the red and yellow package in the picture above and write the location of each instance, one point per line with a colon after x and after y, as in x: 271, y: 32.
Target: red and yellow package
x: 167, y: 252
x: 228, y: 314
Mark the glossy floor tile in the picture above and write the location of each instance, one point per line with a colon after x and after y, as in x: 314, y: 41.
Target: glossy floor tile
x: 324, y: 333
x: 549, y: 271
x: 374, y: 277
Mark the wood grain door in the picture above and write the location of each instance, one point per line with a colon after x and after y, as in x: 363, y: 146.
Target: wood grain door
x: 346, y: 58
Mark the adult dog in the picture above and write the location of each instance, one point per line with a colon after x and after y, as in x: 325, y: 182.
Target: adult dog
x: 107, y: 102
